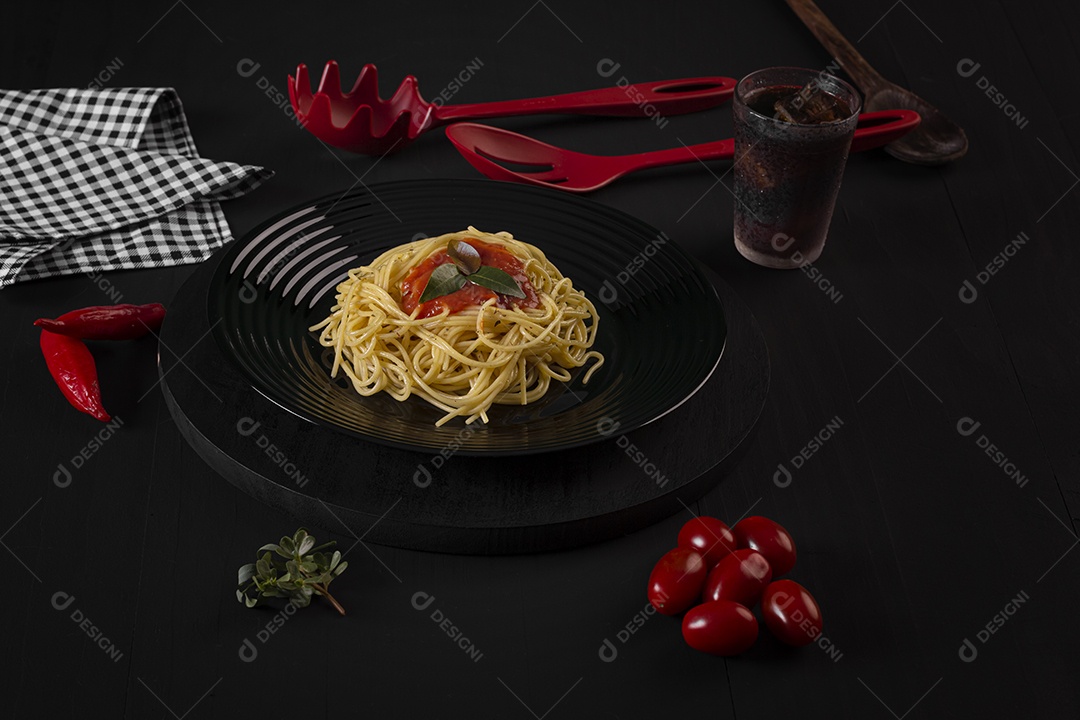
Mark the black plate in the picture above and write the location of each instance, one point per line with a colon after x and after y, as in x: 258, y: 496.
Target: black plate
x: 661, y: 330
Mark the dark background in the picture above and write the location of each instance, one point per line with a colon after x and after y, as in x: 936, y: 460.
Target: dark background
x: 910, y: 536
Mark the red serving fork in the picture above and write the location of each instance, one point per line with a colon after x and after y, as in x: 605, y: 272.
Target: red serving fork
x: 485, y: 146
x: 360, y: 121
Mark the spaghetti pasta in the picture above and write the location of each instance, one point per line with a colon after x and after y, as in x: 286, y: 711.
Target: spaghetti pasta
x: 464, y: 356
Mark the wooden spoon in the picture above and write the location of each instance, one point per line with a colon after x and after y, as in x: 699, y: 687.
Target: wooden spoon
x: 936, y: 141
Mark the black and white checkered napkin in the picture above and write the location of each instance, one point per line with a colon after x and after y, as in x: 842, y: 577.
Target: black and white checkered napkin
x: 94, y: 180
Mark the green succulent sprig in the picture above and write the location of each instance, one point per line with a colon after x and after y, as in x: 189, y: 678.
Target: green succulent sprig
x: 292, y: 568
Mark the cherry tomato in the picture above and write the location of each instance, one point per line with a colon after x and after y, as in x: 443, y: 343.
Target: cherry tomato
x: 768, y: 538
x: 720, y: 627
x: 740, y: 577
x: 709, y: 536
x: 676, y: 581
x: 791, y: 613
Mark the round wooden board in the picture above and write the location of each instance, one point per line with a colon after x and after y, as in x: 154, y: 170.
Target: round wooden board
x: 452, y: 503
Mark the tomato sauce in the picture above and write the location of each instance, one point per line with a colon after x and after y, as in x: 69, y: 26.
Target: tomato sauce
x: 471, y: 295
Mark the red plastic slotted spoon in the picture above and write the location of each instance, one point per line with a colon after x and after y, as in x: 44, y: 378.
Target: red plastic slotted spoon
x: 360, y: 121
x: 485, y: 147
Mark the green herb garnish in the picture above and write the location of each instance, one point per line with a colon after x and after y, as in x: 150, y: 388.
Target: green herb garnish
x: 299, y: 571
x: 465, y: 267
x: 444, y: 280
x: 498, y: 280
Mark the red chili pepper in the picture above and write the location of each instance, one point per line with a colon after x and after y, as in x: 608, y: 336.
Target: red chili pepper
x: 72, y: 367
x: 107, y: 322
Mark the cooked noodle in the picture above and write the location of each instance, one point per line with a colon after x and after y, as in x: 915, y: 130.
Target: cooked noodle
x: 466, y: 361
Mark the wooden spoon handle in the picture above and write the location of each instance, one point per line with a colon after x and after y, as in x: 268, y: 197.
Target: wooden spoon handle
x: 865, y: 76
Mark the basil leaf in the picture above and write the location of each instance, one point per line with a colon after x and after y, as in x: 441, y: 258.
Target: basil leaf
x: 498, y: 280
x: 444, y: 280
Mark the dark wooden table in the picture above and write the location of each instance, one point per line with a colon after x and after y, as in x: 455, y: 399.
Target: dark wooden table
x: 943, y: 319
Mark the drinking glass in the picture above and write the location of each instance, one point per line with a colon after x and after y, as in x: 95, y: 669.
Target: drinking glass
x: 793, y: 130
